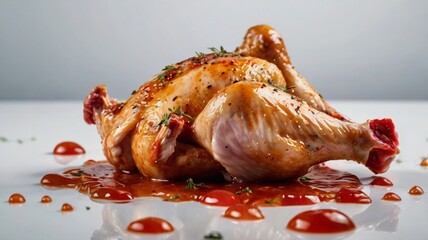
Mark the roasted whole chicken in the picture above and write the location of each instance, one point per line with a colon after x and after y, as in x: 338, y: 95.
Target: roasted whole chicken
x: 247, y: 115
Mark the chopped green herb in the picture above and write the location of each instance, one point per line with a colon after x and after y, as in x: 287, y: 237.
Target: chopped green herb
x: 218, y: 53
x: 321, y: 96
x: 19, y: 141
x: 3, y: 139
x: 173, y: 197
x: 213, y: 236
x: 245, y: 190
x: 278, y: 86
x: 165, y: 70
x: 399, y: 160
x: 178, y: 111
x: 133, y: 92
x: 193, y: 185
x: 304, y: 179
x: 270, y: 201
x: 199, y: 54
x: 88, y: 208
x: 78, y: 173
x: 33, y: 139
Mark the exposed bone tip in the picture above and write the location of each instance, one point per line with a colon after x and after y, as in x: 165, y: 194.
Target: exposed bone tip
x: 380, y: 158
x: 95, y: 99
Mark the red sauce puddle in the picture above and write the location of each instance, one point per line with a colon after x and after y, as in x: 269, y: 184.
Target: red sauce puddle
x: 321, y: 221
x: 46, y: 199
x: 381, y: 181
x: 151, y: 225
x: 416, y: 190
x: 390, y: 196
x: 16, y: 198
x: 66, y: 207
x: 243, y: 212
x: 68, y: 148
x: 102, y: 182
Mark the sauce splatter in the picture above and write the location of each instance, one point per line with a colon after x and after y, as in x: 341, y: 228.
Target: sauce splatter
x: 111, y: 194
x: 46, y: 199
x: 416, y: 190
x: 346, y: 195
x: 68, y: 148
x: 103, y: 182
x: 321, y: 221
x: 16, y: 198
x: 66, y: 207
x: 381, y: 181
x: 424, y: 162
x: 391, y: 197
x: 243, y: 212
x: 220, y: 198
x: 151, y: 225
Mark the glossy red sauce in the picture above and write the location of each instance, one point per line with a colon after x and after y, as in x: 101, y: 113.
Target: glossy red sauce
x: 243, y: 212
x: 68, y: 148
x: 220, y: 198
x: 346, y: 195
x: 416, y: 190
x: 16, y: 198
x: 391, y: 197
x: 150, y: 225
x: 103, y: 182
x: 46, y: 199
x: 66, y: 207
x: 111, y: 194
x: 321, y: 221
x: 424, y: 162
x: 381, y: 181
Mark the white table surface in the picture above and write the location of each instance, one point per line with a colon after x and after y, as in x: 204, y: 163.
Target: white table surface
x: 32, y: 129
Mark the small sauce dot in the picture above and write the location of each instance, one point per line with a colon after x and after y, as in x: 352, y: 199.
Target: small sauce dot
x: 243, y: 212
x: 16, y: 198
x: 220, y: 198
x: 321, y: 221
x: 68, y: 148
x: 346, y: 195
x: 416, y: 190
x: 150, y: 225
x: 391, y: 197
x: 424, y: 162
x: 381, y: 181
x: 66, y: 207
x: 46, y: 199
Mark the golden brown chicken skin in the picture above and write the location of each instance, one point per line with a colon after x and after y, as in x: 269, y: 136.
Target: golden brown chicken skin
x: 247, y: 114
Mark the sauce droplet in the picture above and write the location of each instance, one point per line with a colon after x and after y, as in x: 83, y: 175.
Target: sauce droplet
x: 150, y: 225
x: 416, y: 190
x: 111, y: 194
x: 382, y: 181
x: 68, y: 148
x: 220, y: 198
x: 391, y: 197
x: 424, y: 162
x: 16, y: 198
x: 321, y: 221
x: 66, y: 207
x: 346, y: 195
x: 243, y: 212
x: 46, y: 199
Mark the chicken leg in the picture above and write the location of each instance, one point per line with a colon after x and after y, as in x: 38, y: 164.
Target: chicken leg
x: 258, y: 133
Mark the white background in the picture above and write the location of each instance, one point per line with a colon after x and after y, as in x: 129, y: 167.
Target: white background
x: 347, y: 49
